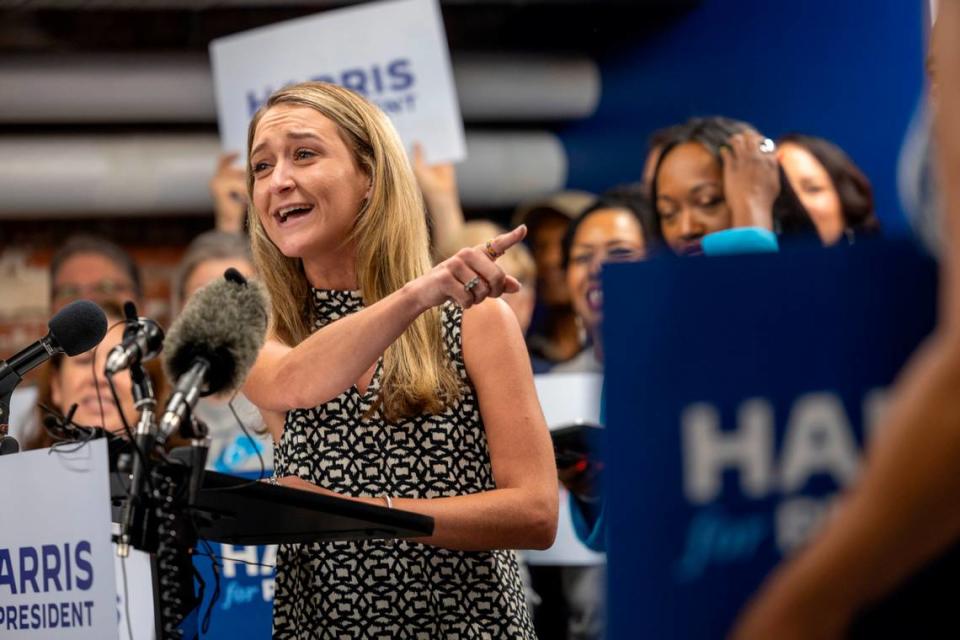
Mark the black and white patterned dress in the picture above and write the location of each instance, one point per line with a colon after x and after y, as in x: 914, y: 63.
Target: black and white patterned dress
x: 392, y: 589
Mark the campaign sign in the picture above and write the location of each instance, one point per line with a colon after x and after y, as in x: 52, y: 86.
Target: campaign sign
x: 56, y: 558
x: 244, y: 605
x: 566, y: 399
x: 394, y: 53
x: 740, y: 394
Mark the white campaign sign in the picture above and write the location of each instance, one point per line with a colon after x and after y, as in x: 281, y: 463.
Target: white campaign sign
x: 567, y: 398
x: 394, y: 53
x: 56, y: 559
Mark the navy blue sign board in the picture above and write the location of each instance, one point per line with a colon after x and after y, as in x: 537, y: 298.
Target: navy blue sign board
x: 244, y: 604
x: 740, y: 392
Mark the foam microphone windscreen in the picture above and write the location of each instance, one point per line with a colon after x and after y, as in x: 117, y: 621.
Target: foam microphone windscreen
x: 224, y: 323
x: 78, y: 327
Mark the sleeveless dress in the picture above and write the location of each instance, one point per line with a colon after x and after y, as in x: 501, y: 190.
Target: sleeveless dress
x: 392, y: 589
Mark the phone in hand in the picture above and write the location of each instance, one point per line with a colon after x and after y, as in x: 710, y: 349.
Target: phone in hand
x: 576, y: 443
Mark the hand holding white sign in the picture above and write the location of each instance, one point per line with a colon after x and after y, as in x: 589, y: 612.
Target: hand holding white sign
x: 394, y: 53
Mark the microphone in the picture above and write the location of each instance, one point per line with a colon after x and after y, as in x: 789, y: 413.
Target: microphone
x: 8, y: 444
x: 212, y: 344
x: 65, y: 425
x: 78, y: 327
x: 142, y: 341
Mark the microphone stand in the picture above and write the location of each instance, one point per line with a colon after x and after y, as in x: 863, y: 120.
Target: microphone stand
x: 144, y: 439
x: 8, y: 382
x: 199, y: 447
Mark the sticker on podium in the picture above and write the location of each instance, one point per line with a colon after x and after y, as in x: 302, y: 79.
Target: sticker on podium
x: 56, y: 558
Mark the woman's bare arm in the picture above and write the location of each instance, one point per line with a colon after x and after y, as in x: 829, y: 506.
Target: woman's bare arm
x: 521, y: 512
x: 332, y: 359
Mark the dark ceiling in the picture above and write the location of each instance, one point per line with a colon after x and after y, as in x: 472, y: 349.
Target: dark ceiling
x: 589, y: 26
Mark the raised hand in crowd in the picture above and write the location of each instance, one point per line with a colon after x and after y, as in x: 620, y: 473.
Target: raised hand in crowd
x: 228, y: 187
x: 438, y: 183
x: 751, y: 180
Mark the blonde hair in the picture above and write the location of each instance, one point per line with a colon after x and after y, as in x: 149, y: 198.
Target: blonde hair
x: 392, y: 248
x: 516, y: 262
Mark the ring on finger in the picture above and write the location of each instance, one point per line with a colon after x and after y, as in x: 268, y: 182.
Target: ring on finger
x: 471, y: 284
x: 767, y: 146
x: 491, y: 250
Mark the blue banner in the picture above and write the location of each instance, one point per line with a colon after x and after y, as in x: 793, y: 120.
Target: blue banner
x: 243, y: 607
x: 740, y: 394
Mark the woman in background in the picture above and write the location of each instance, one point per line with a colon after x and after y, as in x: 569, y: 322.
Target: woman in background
x: 833, y: 190
x: 715, y: 174
x: 615, y: 228
x: 80, y: 381
x: 231, y: 449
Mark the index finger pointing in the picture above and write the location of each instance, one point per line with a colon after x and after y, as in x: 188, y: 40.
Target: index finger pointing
x: 504, y: 241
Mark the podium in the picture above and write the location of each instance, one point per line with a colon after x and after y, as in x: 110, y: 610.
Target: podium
x: 237, y: 510
x: 240, y: 511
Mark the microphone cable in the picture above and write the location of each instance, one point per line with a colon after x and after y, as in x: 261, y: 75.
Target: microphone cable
x: 256, y: 449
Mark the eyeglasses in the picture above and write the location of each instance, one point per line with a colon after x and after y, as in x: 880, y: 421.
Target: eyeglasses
x: 100, y: 290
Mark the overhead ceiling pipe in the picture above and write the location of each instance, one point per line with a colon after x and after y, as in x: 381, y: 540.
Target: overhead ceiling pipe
x: 150, y: 174
x: 145, y: 88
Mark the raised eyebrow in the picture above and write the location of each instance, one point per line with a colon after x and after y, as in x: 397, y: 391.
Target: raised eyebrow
x: 294, y: 135
x: 302, y: 135
x: 257, y: 149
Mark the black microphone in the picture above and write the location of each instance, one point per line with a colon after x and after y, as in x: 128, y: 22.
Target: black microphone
x: 142, y: 341
x: 73, y: 431
x: 8, y: 444
x: 212, y: 344
x: 78, y: 327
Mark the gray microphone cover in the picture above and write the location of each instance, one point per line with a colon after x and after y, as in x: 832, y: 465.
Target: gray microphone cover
x: 224, y: 323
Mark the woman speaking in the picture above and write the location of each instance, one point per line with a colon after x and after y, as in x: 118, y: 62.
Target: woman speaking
x: 390, y: 382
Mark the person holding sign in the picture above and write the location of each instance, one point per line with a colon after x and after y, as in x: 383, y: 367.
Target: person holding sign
x: 389, y: 382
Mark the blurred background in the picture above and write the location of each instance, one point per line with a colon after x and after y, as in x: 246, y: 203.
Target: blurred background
x: 554, y: 94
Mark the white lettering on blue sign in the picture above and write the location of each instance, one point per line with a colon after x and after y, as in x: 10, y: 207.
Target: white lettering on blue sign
x: 708, y: 450
x: 818, y: 442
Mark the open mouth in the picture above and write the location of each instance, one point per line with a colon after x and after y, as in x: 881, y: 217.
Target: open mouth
x: 595, y: 299
x: 291, y: 212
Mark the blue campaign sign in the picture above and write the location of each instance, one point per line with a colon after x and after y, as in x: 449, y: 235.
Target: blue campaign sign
x: 244, y: 605
x: 740, y: 393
